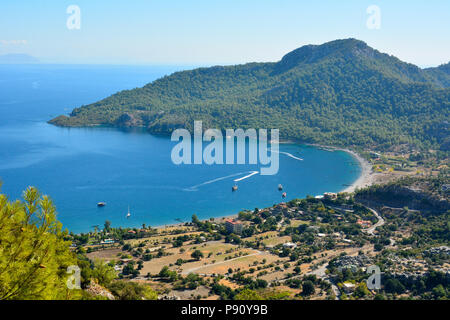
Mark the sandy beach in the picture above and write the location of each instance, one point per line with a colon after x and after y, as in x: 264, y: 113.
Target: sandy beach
x: 366, y: 178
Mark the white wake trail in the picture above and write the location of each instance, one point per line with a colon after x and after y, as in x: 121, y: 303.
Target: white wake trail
x: 194, y: 188
x: 252, y: 173
x: 290, y: 155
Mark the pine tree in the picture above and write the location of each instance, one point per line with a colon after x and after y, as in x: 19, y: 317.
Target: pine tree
x: 34, y: 255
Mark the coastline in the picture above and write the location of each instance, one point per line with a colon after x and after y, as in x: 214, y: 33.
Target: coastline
x: 365, y: 179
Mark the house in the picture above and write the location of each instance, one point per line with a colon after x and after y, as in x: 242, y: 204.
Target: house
x: 313, y: 228
x: 348, y: 287
x: 375, y: 155
x: 364, y: 223
x: 289, y: 245
x: 280, y: 208
x: 330, y: 196
x: 107, y: 241
x: 233, y: 226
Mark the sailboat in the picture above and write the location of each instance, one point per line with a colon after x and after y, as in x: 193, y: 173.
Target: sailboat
x: 128, y: 214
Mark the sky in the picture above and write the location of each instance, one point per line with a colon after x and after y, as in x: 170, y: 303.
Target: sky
x: 208, y: 32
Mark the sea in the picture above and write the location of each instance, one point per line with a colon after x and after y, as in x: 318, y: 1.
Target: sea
x: 129, y: 169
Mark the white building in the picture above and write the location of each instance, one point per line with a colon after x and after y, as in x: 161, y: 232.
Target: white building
x: 290, y: 245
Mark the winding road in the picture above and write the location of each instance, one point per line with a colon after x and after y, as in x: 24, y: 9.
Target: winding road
x: 379, y: 223
x: 320, y: 272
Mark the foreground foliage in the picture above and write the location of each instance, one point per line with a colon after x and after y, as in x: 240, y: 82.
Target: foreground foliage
x: 34, y: 256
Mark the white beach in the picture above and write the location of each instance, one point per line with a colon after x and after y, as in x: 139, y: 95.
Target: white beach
x: 366, y: 177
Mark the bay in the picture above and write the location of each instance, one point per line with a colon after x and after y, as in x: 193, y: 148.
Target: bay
x: 79, y: 167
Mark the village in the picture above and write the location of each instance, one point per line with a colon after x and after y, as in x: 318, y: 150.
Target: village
x: 274, y: 251
x: 269, y: 247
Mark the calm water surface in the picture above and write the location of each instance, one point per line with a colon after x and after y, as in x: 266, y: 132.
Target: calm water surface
x: 80, y: 167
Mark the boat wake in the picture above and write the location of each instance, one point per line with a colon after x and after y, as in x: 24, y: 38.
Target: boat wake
x: 290, y: 155
x: 250, y: 173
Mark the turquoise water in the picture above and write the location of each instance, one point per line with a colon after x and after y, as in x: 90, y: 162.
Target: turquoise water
x: 82, y: 166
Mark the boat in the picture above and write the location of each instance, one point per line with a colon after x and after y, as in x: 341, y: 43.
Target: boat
x: 280, y: 187
x: 101, y: 204
x: 284, y: 195
x: 234, y: 188
x: 128, y: 214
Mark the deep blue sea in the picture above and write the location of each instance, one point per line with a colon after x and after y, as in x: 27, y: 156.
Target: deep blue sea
x: 80, y: 167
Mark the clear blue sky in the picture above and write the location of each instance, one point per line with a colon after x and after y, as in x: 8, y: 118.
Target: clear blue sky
x: 218, y: 32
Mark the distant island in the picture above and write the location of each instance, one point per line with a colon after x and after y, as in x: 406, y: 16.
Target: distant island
x: 341, y: 93
x: 17, y: 58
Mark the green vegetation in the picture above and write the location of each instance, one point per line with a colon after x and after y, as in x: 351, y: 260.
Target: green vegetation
x: 124, y: 290
x: 298, y: 237
x: 197, y: 255
x: 341, y: 93
x: 248, y: 294
x: 411, y: 248
x: 412, y: 245
x: 34, y: 255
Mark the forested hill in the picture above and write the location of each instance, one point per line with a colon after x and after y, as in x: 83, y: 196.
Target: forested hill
x: 441, y: 74
x: 341, y: 93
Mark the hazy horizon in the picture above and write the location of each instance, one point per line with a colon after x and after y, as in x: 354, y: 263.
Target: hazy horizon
x: 204, y: 33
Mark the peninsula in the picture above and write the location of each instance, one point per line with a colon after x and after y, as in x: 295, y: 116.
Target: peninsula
x: 341, y: 93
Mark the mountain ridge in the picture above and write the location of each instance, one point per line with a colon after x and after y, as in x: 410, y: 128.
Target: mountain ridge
x: 342, y: 93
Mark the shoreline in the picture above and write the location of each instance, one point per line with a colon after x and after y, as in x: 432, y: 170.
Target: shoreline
x: 365, y: 179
